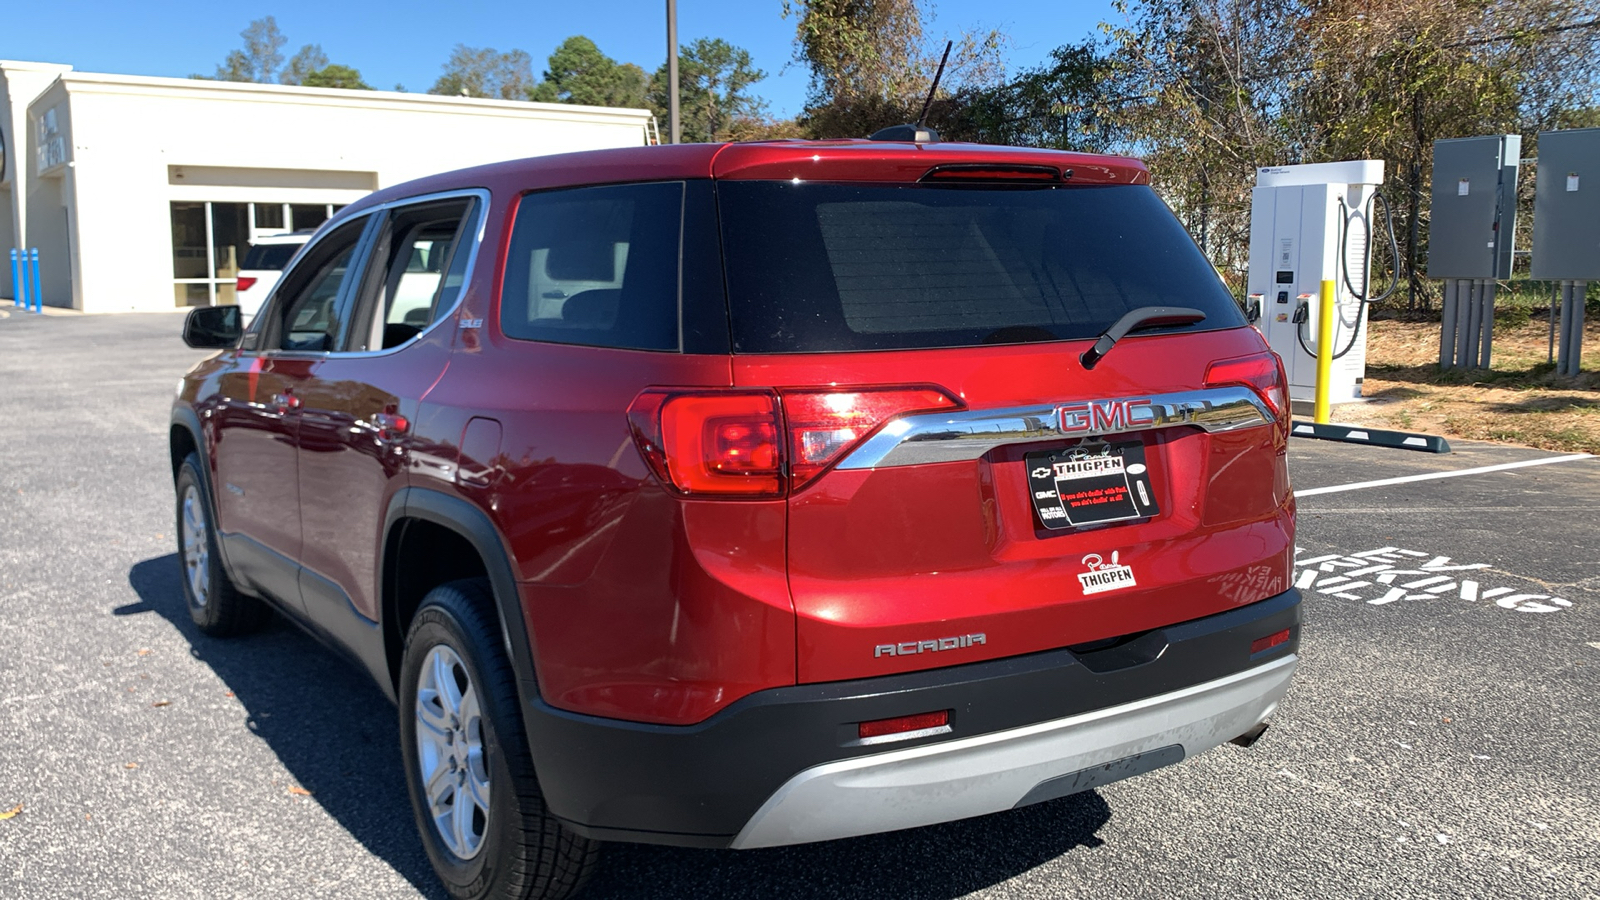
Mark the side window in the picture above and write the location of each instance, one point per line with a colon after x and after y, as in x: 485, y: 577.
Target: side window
x: 416, y: 272
x: 312, y: 315
x: 596, y: 266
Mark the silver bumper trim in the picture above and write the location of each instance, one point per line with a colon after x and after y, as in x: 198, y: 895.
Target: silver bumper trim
x: 969, y: 434
x: 988, y: 773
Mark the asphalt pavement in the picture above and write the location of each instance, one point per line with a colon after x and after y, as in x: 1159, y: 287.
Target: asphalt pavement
x: 1440, y: 740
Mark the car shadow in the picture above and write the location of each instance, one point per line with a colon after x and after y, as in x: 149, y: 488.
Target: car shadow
x: 938, y: 862
x: 343, y: 747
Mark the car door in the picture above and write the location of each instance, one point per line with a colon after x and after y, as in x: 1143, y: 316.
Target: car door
x: 256, y: 419
x: 357, y: 403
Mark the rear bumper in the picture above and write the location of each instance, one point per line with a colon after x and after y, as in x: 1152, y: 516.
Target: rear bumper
x: 782, y: 766
x: 1008, y: 769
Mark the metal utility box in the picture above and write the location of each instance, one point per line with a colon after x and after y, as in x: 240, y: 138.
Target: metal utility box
x: 1474, y: 211
x: 1566, y: 206
x: 1309, y: 224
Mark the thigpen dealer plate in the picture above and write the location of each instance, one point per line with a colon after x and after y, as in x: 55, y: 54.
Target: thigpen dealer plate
x: 1091, y: 483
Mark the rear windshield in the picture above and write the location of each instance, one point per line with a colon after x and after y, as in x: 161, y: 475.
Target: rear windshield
x: 834, y: 267
x: 272, y: 257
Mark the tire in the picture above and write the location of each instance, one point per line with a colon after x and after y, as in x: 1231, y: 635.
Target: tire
x: 215, y: 605
x: 484, y: 824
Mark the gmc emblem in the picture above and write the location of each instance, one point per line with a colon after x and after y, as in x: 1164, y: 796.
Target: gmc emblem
x: 1105, y: 416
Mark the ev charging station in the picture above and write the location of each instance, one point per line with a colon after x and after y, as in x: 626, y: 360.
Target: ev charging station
x: 1310, y: 224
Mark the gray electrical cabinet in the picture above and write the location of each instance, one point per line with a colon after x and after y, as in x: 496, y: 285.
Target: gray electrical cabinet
x: 1566, y: 206
x: 1474, y: 211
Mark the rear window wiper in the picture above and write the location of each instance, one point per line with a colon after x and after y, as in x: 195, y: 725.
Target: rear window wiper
x: 1138, y: 320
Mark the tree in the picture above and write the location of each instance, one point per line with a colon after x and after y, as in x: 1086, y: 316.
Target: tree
x: 714, y: 98
x: 306, y: 60
x: 1055, y: 105
x: 336, y: 76
x: 485, y: 72
x: 871, y: 62
x: 579, y: 73
x: 1207, y: 90
x: 261, y: 56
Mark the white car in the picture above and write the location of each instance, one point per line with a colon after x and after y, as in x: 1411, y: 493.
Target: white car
x: 265, y: 262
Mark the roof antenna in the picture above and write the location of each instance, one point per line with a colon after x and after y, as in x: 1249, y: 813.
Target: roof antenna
x: 919, y: 133
x: 922, y: 120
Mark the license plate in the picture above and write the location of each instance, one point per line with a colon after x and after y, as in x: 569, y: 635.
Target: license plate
x: 1090, y: 484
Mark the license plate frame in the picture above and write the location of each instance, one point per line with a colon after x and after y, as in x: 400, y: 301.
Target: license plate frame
x: 1092, y: 483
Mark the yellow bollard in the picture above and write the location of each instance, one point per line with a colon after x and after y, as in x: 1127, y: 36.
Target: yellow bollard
x: 1324, y: 352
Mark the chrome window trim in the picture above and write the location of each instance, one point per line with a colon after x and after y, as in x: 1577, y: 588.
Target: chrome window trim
x: 482, y: 212
x: 969, y: 434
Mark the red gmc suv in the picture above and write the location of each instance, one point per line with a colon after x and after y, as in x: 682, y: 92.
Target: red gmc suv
x: 753, y: 494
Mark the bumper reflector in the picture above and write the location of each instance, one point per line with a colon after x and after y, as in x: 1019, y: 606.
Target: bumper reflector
x: 1270, y: 641
x: 929, y: 723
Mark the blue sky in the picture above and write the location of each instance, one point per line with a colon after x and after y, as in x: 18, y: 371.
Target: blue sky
x: 405, y: 42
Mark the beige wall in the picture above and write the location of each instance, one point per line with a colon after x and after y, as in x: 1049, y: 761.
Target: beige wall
x: 20, y: 82
x: 137, y: 144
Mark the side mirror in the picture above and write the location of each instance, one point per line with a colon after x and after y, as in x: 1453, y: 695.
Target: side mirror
x: 212, y: 327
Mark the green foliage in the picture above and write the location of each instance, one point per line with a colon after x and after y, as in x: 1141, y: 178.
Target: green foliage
x: 1056, y: 105
x: 305, y: 61
x: 579, y: 73
x: 485, y: 72
x: 871, y: 63
x: 336, y: 76
x: 714, y: 98
x: 261, y: 56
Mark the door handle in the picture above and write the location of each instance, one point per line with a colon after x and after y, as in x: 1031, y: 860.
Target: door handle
x: 390, y: 426
x: 285, y: 401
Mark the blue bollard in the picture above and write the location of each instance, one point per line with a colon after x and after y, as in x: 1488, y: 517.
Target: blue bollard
x: 16, y: 280
x: 33, y: 279
x: 22, y: 283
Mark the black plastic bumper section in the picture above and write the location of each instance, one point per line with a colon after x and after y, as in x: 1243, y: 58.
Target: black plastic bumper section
x: 698, y: 785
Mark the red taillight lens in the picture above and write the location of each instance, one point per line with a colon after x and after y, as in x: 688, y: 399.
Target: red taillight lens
x: 1262, y: 372
x: 825, y: 424
x: 1270, y: 641
x: 721, y: 443
x: 980, y: 172
x: 736, y: 443
x: 244, y: 283
x: 903, y: 724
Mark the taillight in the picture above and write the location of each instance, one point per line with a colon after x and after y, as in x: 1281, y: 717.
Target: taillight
x: 725, y: 443
x: 245, y: 283
x: 1262, y: 372
x: 762, y: 443
x: 825, y: 424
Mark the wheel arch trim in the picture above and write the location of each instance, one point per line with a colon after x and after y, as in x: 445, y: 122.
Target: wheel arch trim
x: 472, y: 524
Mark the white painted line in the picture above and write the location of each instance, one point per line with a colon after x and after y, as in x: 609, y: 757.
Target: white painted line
x: 1430, y: 476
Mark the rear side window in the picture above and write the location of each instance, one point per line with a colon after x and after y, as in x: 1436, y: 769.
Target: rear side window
x: 833, y: 267
x: 596, y: 266
x: 270, y: 257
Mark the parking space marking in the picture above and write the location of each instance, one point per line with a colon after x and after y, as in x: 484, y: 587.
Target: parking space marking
x: 1429, y: 476
x: 1425, y: 577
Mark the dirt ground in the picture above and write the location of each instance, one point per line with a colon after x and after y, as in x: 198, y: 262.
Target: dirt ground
x: 1519, y: 400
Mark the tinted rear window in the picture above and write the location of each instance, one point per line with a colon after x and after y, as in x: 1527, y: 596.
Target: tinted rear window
x: 832, y: 267
x: 596, y: 266
x: 272, y: 257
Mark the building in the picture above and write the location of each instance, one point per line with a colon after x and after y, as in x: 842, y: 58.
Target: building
x: 144, y: 193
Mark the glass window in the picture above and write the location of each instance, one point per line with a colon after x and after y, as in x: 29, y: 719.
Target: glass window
x: 833, y: 267
x: 269, y: 216
x: 189, y: 242
x: 270, y: 257
x: 230, y: 236
x: 420, y: 271
x: 192, y: 294
x: 313, y: 317
x: 596, y: 266
x: 306, y: 216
